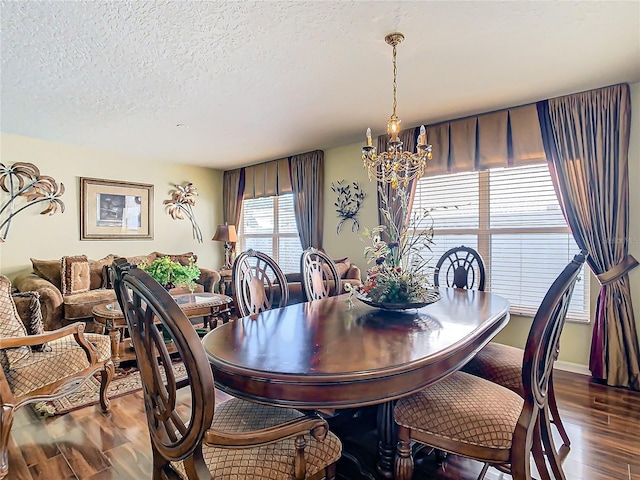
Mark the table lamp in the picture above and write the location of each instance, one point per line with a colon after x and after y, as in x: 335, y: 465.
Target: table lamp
x: 226, y: 233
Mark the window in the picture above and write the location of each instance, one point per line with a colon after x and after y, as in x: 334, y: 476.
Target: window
x: 511, y: 216
x: 268, y: 224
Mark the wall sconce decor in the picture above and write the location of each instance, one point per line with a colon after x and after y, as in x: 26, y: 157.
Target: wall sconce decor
x: 182, y: 201
x: 348, y: 203
x: 226, y: 233
x: 24, y: 180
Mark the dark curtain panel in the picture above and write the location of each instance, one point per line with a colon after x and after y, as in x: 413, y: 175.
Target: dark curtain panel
x: 586, y: 140
x: 307, y: 181
x: 232, y: 193
x: 408, y: 139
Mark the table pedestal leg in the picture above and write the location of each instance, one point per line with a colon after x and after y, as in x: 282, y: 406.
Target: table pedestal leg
x: 387, y: 436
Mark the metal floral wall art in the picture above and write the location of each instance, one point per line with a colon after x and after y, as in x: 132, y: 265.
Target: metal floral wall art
x: 23, y: 180
x: 182, y: 201
x: 348, y: 203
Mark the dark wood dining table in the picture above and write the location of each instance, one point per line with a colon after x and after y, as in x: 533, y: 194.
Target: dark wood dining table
x: 329, y: 355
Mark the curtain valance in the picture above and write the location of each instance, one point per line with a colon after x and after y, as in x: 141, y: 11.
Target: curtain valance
x: 267, y: 179
x: 504, y: 138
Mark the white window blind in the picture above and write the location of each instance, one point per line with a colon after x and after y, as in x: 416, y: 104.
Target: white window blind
x: 511, y: 216
x: 268, y: 224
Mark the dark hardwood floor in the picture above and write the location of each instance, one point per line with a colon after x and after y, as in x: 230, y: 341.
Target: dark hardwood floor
x: 603, y: 423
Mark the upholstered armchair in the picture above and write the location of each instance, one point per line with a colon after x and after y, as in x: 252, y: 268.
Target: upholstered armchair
x: 38, y: 365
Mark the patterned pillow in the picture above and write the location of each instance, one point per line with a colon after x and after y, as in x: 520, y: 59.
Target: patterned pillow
x: 34, y: 326
x: 75, y: 275
x: 10, y: 326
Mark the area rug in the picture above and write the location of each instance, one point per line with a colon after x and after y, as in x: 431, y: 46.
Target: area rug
x: 125, y: 381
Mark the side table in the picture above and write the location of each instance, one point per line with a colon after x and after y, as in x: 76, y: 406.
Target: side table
x: 210, y: 306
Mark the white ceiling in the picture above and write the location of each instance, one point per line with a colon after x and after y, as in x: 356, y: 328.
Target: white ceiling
x: 256, y: 81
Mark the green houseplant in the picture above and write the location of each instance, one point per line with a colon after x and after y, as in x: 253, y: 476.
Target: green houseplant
x: 172, y: 274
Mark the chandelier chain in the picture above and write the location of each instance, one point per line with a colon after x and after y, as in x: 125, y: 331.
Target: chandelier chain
x: 395, y: 83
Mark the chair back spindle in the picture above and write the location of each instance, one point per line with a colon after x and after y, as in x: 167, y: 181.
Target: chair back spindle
x: 460, y: 267
x: 320, y: 277
x: 259, y: 283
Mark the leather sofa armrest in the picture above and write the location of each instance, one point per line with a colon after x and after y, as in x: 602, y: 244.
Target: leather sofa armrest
x: 209, y: 279
x: 50, y: 298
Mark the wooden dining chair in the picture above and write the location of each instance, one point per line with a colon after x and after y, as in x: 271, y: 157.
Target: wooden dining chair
x: 460, y: 267
x: 320, y: 277
x: 502, y: 364
x: 242, y: 439
x: 475, y: 418
x: 259, y: 283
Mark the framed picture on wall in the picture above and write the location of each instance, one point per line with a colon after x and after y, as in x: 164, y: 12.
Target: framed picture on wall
x: 110, y: 209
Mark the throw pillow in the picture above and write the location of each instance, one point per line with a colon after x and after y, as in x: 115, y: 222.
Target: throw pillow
x: 34, y: 325
x: 47, y: 269
x: 343, y: 265
x: 75, y: 275
x: 96, y: 268
x: 10, y: 326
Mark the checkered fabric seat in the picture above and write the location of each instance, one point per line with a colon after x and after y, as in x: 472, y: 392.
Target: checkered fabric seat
x: 64, y: 359
x: 502, y: 364
x: 465, y: 409
x: 499, y: 363
x: 272, y: 461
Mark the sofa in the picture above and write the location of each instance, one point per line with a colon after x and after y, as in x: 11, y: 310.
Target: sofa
x: 70, y: 287
x: 349, y: 273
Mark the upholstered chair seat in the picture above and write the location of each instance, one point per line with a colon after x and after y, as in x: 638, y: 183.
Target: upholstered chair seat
x: 463, y: 409
x: 499, y: 363
x: 502, y: 364
x: 272, y: 461
x: 64, y: 359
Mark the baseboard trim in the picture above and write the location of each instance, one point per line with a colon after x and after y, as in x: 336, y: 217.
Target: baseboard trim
x: 572, y: 367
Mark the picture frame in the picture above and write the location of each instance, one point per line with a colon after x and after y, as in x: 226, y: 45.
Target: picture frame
x: 115, y: 210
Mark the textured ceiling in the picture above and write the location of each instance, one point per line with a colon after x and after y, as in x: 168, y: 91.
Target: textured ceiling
x: 255, y: 81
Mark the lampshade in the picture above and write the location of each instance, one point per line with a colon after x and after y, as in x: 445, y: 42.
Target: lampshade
x: 226, y: 233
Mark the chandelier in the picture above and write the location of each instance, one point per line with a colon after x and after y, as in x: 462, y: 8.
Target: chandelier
x: 395, y: 166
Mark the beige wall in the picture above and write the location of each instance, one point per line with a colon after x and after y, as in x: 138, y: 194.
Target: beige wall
x: 33, y: 235
x: 344, y: 163
x: 49, y: 237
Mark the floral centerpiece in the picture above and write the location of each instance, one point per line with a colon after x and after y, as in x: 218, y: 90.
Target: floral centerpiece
x: 172, y: 274
x: 398, y: 252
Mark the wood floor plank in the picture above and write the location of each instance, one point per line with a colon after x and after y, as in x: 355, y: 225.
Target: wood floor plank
x: 55, y: 467
x: 603, y: 424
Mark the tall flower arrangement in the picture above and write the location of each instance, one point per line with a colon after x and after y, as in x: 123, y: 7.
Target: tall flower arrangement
x: 399, y: 253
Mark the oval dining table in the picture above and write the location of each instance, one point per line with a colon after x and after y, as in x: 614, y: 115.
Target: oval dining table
x: 332, y: 354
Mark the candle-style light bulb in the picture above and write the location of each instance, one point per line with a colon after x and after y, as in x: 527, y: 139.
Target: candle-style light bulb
x: 423, y: 135
x: 368, y: 137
